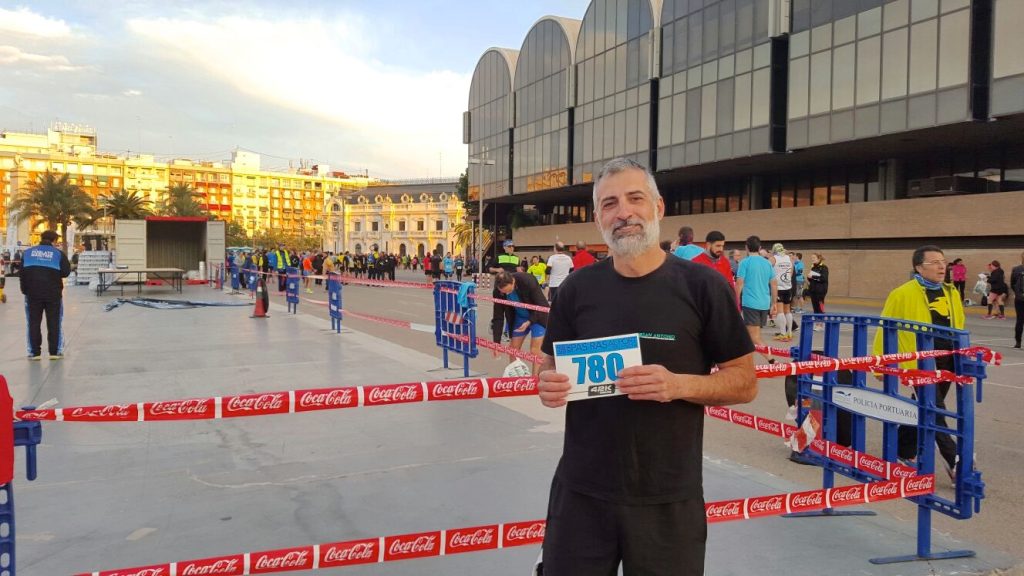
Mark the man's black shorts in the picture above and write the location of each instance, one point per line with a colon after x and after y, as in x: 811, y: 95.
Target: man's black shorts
x: 785, y: 296
x: 589, y: 537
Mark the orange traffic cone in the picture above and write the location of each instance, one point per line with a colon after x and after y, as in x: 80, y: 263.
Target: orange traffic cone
x: 262, y: 301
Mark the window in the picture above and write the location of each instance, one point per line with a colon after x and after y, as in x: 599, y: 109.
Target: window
x: 439, y: 225
x: 357, y: 226
x: 375, y: 226
x: 420, y: 226
x: 401, y: 225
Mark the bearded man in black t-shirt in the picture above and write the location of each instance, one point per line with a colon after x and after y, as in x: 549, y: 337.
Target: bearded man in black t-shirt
x: 628, y: 487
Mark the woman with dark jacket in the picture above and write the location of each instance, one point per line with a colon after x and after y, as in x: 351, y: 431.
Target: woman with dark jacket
x: 515, y: 321
x: 817, y: 280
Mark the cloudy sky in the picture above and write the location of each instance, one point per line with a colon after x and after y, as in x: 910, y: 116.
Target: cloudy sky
x: 376, y: 85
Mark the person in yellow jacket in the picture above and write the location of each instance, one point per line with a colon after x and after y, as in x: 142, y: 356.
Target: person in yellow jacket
x: 929, y: 300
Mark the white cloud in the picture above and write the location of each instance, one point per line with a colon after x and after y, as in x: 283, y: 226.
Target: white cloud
x: 12, y: 55
x: 132, y: 92
x: 25, y: 21
x: 404, y: 118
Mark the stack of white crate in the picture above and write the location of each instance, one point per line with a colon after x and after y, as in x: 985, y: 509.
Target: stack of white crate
x: 90, y: 262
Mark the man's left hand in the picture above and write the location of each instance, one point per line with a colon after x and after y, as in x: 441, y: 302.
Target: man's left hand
x: 649, y: 382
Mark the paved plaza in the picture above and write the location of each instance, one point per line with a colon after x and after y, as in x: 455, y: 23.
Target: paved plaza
x: 129, y: 494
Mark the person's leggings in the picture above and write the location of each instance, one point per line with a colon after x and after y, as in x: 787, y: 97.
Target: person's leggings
x: 818, y: 303
x: 1018, y: 305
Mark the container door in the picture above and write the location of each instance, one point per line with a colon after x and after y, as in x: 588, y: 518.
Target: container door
x: 130, y: 246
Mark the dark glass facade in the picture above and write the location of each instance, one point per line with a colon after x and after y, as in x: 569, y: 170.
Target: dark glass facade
x: 542, y: 88
x: 613, y: 89
x: 715, y: 81
x: 762, y: 104
x: 489, y: 123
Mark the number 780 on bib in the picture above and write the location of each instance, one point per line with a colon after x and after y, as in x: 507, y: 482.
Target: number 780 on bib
x: 593, y: 365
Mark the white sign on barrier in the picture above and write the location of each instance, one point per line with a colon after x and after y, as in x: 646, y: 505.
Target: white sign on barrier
x: 875, y: 405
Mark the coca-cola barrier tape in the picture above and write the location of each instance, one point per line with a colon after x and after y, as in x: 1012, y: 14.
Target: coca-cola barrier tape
x: 290, y: 402
x: 842, y: 454
x: 987, y: 355
x: 483, y: 343
x: 265, y: 403
x: 496, y: 536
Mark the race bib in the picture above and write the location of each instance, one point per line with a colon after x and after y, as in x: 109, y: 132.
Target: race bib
x: 593, y: 365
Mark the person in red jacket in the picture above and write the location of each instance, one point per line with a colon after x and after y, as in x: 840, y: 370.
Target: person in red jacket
x: 583, y: 257
x: 713, y: 256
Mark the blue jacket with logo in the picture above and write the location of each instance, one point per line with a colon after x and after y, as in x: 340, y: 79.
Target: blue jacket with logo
x: 42, y: 273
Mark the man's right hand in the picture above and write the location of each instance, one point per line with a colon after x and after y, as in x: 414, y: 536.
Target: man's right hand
x: 554, y: 388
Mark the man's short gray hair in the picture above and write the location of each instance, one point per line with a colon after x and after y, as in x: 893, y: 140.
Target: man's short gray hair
x: 617, y: 165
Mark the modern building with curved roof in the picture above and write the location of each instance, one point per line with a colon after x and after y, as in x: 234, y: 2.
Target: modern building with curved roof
x: 856, y: 128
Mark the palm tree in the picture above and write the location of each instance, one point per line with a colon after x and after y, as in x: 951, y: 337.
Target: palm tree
x: 465, y: 234
x: 124, y: 205
x: 182, y: 201
x: 54, y: 200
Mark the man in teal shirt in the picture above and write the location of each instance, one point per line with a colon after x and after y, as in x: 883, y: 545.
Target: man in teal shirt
x: 755, y: 281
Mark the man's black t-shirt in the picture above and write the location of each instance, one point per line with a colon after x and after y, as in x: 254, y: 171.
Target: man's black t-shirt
x: 643, y: 452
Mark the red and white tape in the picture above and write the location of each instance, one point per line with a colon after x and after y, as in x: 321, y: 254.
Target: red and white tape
x: 842, y: 454
x: 291, y: 402
x: 507, y: 535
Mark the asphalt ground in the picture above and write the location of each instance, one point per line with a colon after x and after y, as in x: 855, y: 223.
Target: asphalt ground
x: 999, y: 419
x: 130, y: 494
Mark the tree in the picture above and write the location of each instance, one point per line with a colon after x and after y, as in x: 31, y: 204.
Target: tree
x: 465, y: 234
x: 54, y: 200
x: 462, y: 191
x: 235, y: 234
x: 182, y: 201
x: 124, y: 205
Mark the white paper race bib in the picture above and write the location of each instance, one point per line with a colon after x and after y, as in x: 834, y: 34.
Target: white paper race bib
x: 593, y: 365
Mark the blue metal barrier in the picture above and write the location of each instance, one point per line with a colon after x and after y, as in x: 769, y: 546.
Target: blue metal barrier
x: 29, y: 435
x: 451, y: 318
x: 291, y: 289
x: 334, y: 300
x: 236, y: 283
x: 251, y: 279
x: 969, y: 488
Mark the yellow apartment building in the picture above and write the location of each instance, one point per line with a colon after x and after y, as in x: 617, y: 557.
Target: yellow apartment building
x: 412, y: 218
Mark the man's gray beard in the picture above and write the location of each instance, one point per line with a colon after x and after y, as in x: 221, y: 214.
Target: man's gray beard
x: 633, y: 245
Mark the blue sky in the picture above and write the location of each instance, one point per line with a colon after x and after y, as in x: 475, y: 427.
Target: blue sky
x: 329, y: 82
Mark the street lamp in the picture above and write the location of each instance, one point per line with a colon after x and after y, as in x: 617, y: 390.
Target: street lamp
x: 485, y: 161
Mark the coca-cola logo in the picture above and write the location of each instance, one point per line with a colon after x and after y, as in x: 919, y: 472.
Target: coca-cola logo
x: 770, y: 426
x: 884, y: 490
x: 900, y: 471
x: 151, y: 571
x: 841, y: 453
x: 194, y: 407
x: 113, y: 411
x: 718, y: 412
x: 417, y: 545
x: 392, y: 394
x: 847, y: 494
x: 474, y: 539
x: 220, y: 567
x: 461, y: 389
x: 766, y: 505
x: 743, y: 419
x: 514, y: 385
x: 812, y: 499
x: 333, y: 398
x: 532, y: 531
x: 36, y: 415
x: 293, y: 559
x: 871, y: 464
x: 921, y: 485
x: 350, y: 552
x: 729, y: 509
x: 257, y: 403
